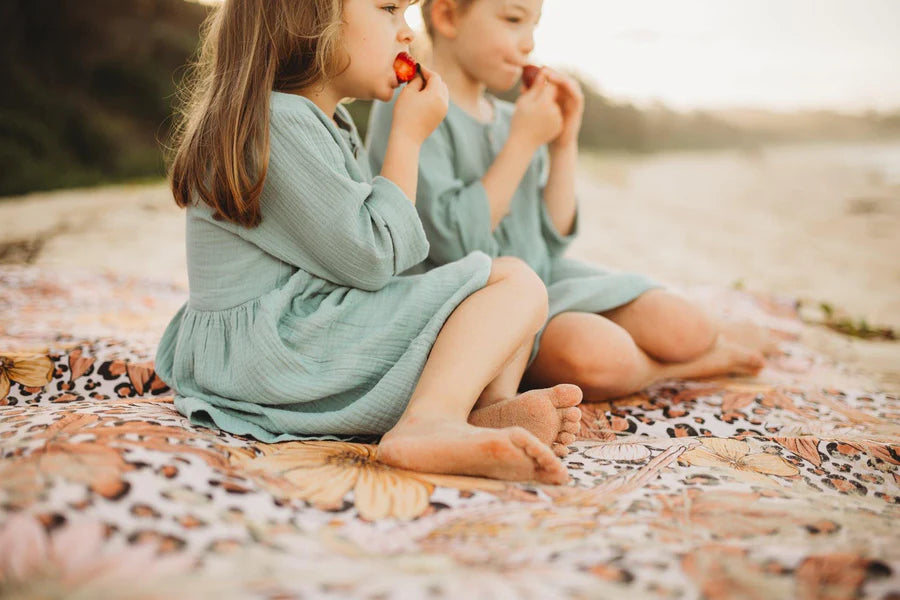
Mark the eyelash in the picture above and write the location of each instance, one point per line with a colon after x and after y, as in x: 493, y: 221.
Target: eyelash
x: 391, y: 8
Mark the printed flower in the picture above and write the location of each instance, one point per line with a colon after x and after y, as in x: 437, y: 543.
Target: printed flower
x: 29, y: 370
x: 735, y: 454
x: 95, y: 466
x: 722, y: 572
x: 76, y: 560
x: 702, y: 514
x: 323, y: 472
x: 622, y: 452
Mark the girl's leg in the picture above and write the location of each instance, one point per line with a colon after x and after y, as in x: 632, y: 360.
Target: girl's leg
x: 671, y: 328
x: 506, y: 383
x: 550, y: 414
x: 473, y: 347
x: 603, y: 359
x: 665, y: 326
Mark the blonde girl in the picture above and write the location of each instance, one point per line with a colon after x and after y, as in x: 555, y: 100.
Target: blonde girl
x: 298, y: 324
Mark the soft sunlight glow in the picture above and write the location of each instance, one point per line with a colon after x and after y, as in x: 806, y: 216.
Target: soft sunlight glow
x: 781, y: 54
x: 776, y: 54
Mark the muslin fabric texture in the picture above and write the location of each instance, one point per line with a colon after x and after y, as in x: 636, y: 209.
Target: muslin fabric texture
x: 455, y: 211
x: 304, y: 327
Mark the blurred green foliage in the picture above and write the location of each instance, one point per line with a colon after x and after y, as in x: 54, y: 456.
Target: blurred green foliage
x: 89, y: 88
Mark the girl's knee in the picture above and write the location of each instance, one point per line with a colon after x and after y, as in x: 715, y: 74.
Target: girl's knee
x: 505, y: 267
x: 674, y: 328
x: 524, y: 284
x: 693, y: 334
x: 613, y: 362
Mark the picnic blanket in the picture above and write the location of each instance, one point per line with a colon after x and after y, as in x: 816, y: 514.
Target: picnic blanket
x: 784, y: 485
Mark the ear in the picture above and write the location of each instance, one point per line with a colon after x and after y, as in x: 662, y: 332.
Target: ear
x: 444, y: 18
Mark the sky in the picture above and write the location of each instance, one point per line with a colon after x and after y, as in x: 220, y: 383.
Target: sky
x: 690, y: 54
x: 707, y: 54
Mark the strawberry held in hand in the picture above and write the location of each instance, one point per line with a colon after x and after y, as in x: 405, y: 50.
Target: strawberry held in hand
x: 529, y: 74
x: 405, y: 68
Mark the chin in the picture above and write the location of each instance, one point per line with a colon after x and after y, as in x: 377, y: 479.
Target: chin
x: 384, y: 96
x: 504, y: 83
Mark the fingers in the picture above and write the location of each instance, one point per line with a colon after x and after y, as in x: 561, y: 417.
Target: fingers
x: 427, y: 76
x: 565, y: 83
x: 539, y: 83
x: 417, y: 83
x: 548, y: 93
x: 425, y: 71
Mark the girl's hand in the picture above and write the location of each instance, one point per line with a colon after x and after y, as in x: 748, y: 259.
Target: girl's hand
x: 537, y: 118
x: 570, y: 99
x: 420, y: 107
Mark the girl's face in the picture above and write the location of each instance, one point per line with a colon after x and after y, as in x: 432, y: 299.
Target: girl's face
x: 374, y: 32
x: 494, y: 38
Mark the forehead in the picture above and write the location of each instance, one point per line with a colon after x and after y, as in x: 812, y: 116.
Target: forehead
x: 528, y: 6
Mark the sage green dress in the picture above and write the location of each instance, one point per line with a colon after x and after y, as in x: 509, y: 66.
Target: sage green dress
x: 455, y: 211
x: 302, y: 327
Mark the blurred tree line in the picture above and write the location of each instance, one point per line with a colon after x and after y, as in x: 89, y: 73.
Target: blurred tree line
x: 89, y: 88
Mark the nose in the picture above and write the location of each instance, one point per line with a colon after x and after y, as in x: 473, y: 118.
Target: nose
x: 406, y: 35
x: 527, y: 42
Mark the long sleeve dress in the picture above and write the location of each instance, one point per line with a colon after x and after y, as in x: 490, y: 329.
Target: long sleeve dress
x: 302, y: 327
x: 455, y: 211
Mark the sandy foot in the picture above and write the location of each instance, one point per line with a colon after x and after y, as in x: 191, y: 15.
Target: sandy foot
x: 438, y: 446
x: 550, y: 414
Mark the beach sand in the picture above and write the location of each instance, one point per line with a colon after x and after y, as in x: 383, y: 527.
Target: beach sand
x: 818, y: 223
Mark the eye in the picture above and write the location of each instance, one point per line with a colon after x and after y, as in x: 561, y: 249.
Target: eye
x: 391, y: 8
x: 514, y: 20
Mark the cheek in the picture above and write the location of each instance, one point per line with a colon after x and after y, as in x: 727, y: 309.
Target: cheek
x: 485, y: 46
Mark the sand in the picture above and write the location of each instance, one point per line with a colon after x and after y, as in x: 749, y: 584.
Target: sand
x: 818, y: 223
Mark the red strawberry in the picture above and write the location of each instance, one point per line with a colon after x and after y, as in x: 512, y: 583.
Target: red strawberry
x: 405, y: 67
x: 529, y: 73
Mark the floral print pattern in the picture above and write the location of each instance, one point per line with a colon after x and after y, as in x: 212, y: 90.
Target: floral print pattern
x: 787, y: 485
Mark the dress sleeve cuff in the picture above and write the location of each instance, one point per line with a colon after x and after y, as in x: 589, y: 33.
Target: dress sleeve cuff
x: 477, y: 234
x: 390, y: 203
x: 557, y: 242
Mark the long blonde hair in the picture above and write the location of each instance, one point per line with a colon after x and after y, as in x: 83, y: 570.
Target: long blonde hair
x: 220, y: 150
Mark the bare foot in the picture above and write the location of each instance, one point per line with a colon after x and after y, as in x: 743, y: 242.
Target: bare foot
x: 726, y: 358
x: 550, y: 414
x: 749, y: 335
x: 439, y: 446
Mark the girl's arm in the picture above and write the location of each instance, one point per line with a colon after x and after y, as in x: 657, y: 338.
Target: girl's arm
x: 536, y: 120
x: 401, y: 163
x: 419, y: 109
x: 503, y: 177
x: 559, y: 193
x: 317, y: 217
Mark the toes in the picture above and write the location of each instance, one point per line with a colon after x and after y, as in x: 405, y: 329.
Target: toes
x: 565, y: 395
x: 525, y: 441
x: 571, y: 414
x: 565, y: 437
x: 753, y: 362
x: 559, y: 449
x: 556, y: 475
x: 548, y: 468
x: 570, y: 426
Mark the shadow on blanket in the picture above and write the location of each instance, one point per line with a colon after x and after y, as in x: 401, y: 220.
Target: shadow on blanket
x: 780, y: 486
